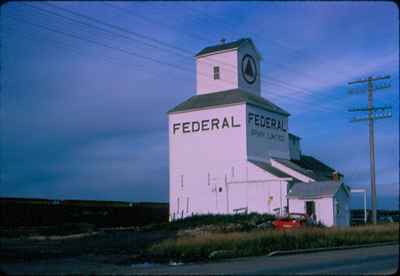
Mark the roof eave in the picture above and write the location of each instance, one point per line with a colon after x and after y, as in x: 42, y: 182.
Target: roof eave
x: 231, y: 104
x: 204, y: 108
x: 270, y: 169
x: 310, y: 197
x: 204, y: 52
x: 268, y: 109
x: 200, y: 55
x: 295, y: 136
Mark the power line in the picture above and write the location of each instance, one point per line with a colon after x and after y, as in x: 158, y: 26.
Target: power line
x: 280, y: 83
x: 131, y: 53
x: 62, y: 45
x: 103, y: 29
x: 187, y: 70
x: 105, y: 24
x: 334, y: 102
x: 292, y: 51
x: 114, y: 27
x: 150, y: 20
x: 270, y: 79
x: 119, y: 28
x: 267, y: 78
x: 338, y: 99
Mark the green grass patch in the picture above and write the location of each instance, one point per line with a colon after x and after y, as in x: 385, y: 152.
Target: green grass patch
x: 262, y: 242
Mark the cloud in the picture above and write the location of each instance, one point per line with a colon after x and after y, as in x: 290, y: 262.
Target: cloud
x: 129, y: 167
x: 84, y: 121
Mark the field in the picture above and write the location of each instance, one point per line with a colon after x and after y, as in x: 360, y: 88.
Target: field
x: 200, y: 238
x: 25, y: 213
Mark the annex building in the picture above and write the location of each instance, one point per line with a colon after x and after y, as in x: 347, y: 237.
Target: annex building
x: 230, y: 149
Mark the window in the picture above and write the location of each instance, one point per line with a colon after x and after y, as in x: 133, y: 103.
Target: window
x: 216, y: 72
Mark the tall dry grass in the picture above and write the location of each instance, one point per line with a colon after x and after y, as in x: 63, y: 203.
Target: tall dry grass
x: 261, y: 242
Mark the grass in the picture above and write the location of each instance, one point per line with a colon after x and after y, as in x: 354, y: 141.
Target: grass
x: 262, y: 242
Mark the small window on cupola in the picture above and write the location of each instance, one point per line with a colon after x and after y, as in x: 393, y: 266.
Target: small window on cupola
x: 216, y: 72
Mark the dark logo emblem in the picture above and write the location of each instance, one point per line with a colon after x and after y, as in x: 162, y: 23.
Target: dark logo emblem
x: 249, y: 69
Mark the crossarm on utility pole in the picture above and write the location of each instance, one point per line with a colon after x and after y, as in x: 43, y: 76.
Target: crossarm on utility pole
x: 371, y: 117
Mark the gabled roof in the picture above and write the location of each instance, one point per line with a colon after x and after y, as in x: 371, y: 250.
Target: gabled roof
x: 267, y: 167
x: 321, y: 171
x: 225, y: 46
x: 316, y: 189
x: 228, y: 97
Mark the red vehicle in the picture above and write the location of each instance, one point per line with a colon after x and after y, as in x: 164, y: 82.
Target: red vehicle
x: 293, y: 220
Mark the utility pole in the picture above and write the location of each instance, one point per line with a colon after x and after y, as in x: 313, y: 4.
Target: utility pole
x: 374, y: 113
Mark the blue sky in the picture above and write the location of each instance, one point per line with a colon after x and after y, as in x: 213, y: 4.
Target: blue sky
x: 85, y: 88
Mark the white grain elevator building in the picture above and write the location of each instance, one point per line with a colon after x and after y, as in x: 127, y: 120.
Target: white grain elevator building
x: 230, y: 149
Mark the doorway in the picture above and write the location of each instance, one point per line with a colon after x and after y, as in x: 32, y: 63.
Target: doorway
x: 310, y: 208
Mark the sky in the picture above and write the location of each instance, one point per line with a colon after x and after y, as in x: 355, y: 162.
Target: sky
x: 85, y: 87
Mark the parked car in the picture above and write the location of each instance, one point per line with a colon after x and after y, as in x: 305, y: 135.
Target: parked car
x: 292, y: 220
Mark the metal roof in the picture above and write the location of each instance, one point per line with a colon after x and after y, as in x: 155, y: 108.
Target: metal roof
x: 224, y: 46
x: 316, y: 189
x: 228, y: 97
x: 269, y: 168
x: 295, y: 167
x: 310, y: 167
x: 321, y: 171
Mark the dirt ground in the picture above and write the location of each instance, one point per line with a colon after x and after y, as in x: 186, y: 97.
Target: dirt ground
x: 113, y: 247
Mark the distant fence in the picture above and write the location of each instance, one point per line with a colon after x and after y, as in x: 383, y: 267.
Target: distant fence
x: 44, y: 212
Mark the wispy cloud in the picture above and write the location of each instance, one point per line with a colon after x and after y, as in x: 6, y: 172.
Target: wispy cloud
x: 85, y: 121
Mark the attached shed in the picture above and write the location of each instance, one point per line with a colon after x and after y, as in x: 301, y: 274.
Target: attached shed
x: 326, y: 201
